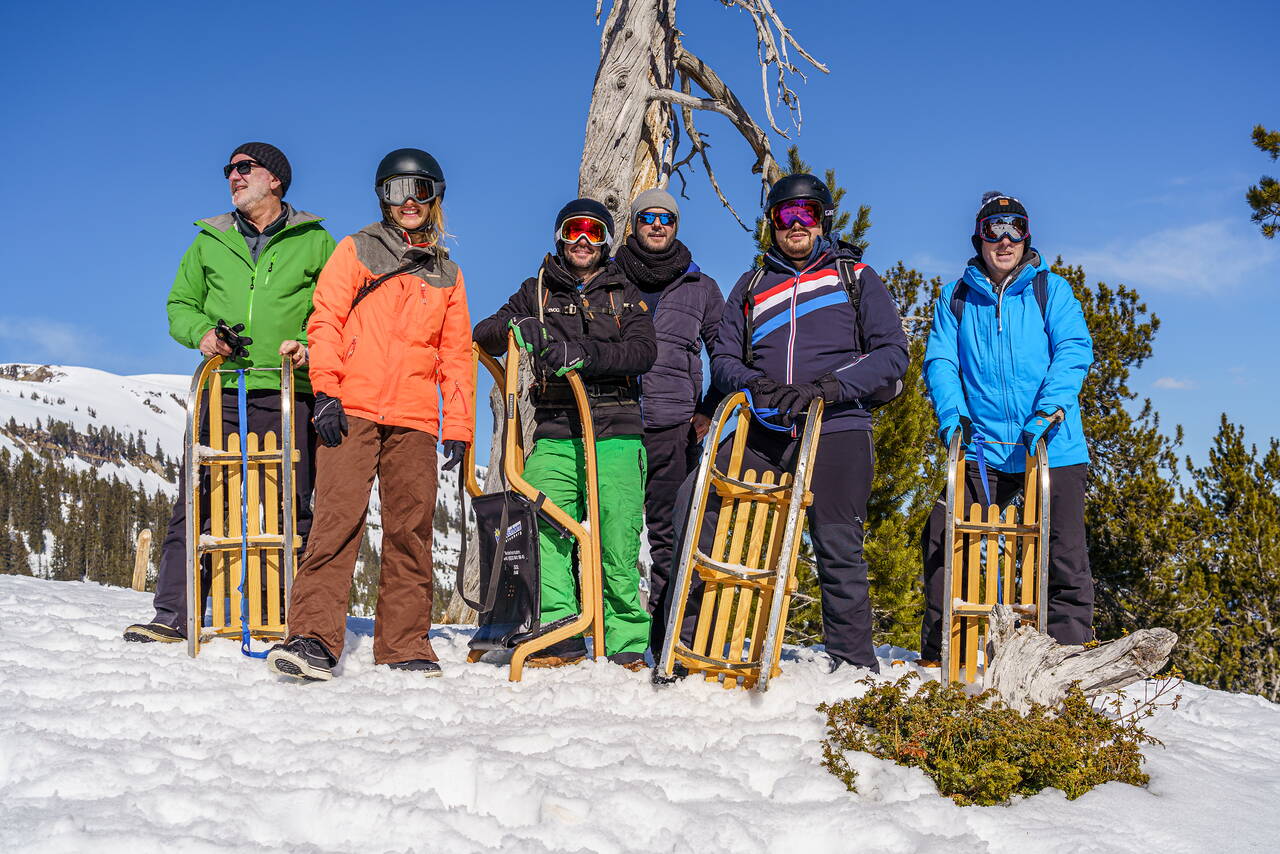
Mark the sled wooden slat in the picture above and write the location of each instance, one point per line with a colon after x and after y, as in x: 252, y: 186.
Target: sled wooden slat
x: 269, y: 518
x: 747, y: 575
x: 992, y: 554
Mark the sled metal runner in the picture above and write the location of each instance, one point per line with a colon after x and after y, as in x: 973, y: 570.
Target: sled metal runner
x: 749, y: 577
x: 992, y: 554
x: 590, y: 620
x: 269, y: 533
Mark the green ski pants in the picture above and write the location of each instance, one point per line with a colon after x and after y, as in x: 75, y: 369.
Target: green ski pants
x: 557, y: 467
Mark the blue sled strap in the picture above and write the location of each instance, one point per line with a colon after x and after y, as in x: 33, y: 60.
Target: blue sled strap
x: 242, y: 415
x: 763, y: 414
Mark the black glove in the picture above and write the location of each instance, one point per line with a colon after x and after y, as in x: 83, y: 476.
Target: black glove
x: 230, y: 335
x: 453, y: 451
x: 762, y: 391
x: 561, y: 357
x: 531, y: 333
x: 330, y: 420
x: 794, y: 399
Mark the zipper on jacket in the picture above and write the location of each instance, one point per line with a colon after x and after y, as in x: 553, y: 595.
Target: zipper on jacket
x: 351, y: 351
x: 253, y: 279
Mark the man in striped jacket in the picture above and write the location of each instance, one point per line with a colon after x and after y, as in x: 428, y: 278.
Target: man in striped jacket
x: 812, y: 322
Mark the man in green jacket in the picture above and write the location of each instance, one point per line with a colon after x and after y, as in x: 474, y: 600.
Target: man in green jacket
x: 243, y: 291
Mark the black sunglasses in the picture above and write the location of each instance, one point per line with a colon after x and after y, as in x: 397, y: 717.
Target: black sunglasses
x: 244, y: 167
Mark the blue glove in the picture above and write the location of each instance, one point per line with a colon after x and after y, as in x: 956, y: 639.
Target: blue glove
x: 951, y: 425
x: 1039, y: 425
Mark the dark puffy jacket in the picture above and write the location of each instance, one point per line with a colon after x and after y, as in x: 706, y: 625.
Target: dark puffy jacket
x: 686, y: 315
x: 609, y: 318
x: 804, y: 327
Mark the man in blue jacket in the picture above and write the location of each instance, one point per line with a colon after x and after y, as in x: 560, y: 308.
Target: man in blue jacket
x: 686, y: 305
x: 812, y: 322
x: 1007, y: 354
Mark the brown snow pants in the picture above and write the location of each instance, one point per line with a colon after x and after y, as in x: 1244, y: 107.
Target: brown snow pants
x: 404, y: 461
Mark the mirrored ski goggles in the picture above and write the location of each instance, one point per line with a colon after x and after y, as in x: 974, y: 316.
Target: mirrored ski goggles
x: 650, y: 217
x: 1012, y: 226
x: 243, y: 167
x: 399, y: 189
x: 807, y: 212
x: 575, y: 228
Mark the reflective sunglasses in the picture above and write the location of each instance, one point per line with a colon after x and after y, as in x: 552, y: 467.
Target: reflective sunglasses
x: 807, y: 212
x: 399, y: 189
x: 244, y: 167
x: 578, y: 227
x: 650, y: 217
x: 1012, y: 226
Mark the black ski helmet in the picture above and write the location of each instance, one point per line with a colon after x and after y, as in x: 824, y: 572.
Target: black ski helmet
x: 411, y: 161
x: 585, y: 207
x: 803, y: 186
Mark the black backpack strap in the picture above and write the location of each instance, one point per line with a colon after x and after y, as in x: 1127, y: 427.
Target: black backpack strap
x: 1041, y: 285
x: 958, y: 299
x: 851, y: 278
x: 749, y: 326
x: 373, y: 284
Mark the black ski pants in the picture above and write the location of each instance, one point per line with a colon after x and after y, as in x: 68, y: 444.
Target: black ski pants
x: 263, y: 416
x: 1070, y: 581
x: 841, y: 485
x: 672, y: 453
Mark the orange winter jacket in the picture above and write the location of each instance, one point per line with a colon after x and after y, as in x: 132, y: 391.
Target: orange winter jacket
x: 406, y: 345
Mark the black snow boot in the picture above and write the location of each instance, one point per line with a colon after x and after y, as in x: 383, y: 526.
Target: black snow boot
x: 153, y: 633
x: 301, y: 658
x: 421, y: 666
x: 633, y: 661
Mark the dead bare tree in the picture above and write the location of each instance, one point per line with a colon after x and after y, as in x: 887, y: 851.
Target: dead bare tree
x: 634, y: 131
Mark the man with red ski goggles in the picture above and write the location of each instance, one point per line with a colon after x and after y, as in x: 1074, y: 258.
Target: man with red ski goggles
x: 575, y: 228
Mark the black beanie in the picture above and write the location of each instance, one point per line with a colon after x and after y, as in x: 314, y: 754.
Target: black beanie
x: 270, y: 157
x: 995, y: 203
x: 585, y: 207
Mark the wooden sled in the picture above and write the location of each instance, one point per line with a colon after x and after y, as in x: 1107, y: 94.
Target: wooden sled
x: 992, y: 555
x: 272, y: 518
x: 749, y: 577
x: 590, y: 620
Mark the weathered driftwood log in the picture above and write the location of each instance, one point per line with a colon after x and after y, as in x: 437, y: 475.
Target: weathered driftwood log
x: 1029, y: 667
x: 458, y: 611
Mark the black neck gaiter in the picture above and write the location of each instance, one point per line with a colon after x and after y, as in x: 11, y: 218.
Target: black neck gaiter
x: 653, y: 271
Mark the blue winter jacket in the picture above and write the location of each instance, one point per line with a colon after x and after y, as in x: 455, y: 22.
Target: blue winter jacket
x: 1006, y: 362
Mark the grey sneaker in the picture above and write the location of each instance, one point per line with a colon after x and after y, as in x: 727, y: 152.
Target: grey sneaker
x: 420, y: 666
x: 153, y: 633
x: 302, y: 658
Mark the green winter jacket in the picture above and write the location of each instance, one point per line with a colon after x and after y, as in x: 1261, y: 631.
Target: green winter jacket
x: 218, y: 280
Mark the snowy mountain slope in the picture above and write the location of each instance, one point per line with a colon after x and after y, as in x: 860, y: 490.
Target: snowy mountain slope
x: 153, y: 404
x: 112, y: 747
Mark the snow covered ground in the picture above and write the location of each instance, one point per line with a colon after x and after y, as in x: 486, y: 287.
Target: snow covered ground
x: 107, y: 746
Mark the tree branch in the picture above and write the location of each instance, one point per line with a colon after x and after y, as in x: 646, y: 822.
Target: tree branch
x: 700, y: 147
x: 692, y: 101
x: 771, y: 49
x: 698, y: 71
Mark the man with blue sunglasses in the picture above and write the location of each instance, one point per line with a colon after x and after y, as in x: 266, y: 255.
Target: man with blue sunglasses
x: 1007, y: 355
x: 686, y: 305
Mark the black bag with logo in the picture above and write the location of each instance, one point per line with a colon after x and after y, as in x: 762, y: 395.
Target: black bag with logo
x: 510, y: 586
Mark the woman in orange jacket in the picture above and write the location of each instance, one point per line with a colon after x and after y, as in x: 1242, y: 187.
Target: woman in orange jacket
x: 390, y: 338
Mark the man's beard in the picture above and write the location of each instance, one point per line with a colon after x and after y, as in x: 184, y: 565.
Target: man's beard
x: 249, y: 197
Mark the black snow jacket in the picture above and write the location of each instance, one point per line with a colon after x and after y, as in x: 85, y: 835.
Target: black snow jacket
x: 686, y: 314
x: 803, y: 327
x: 610, y: 320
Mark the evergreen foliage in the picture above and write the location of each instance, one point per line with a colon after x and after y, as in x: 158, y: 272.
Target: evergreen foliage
x: 1228, y: 613
x: 1264, y: 197
x: 977, y: 750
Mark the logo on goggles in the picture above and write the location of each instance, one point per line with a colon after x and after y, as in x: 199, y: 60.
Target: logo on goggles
x: 575, y: 228
x: 399, y: 189
x: 807, y: 212
x: 1012, y: 226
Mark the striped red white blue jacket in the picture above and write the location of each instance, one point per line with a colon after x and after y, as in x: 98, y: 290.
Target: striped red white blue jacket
x: 803, y: 327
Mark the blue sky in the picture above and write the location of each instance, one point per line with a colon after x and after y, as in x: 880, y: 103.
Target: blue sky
x: 1124, y: 127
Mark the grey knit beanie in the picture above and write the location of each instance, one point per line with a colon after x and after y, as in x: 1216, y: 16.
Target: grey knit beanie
x: 655, y: 198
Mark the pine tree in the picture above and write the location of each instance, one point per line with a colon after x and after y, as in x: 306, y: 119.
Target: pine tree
x: 1235, y: 646
x: 1264, y: 197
